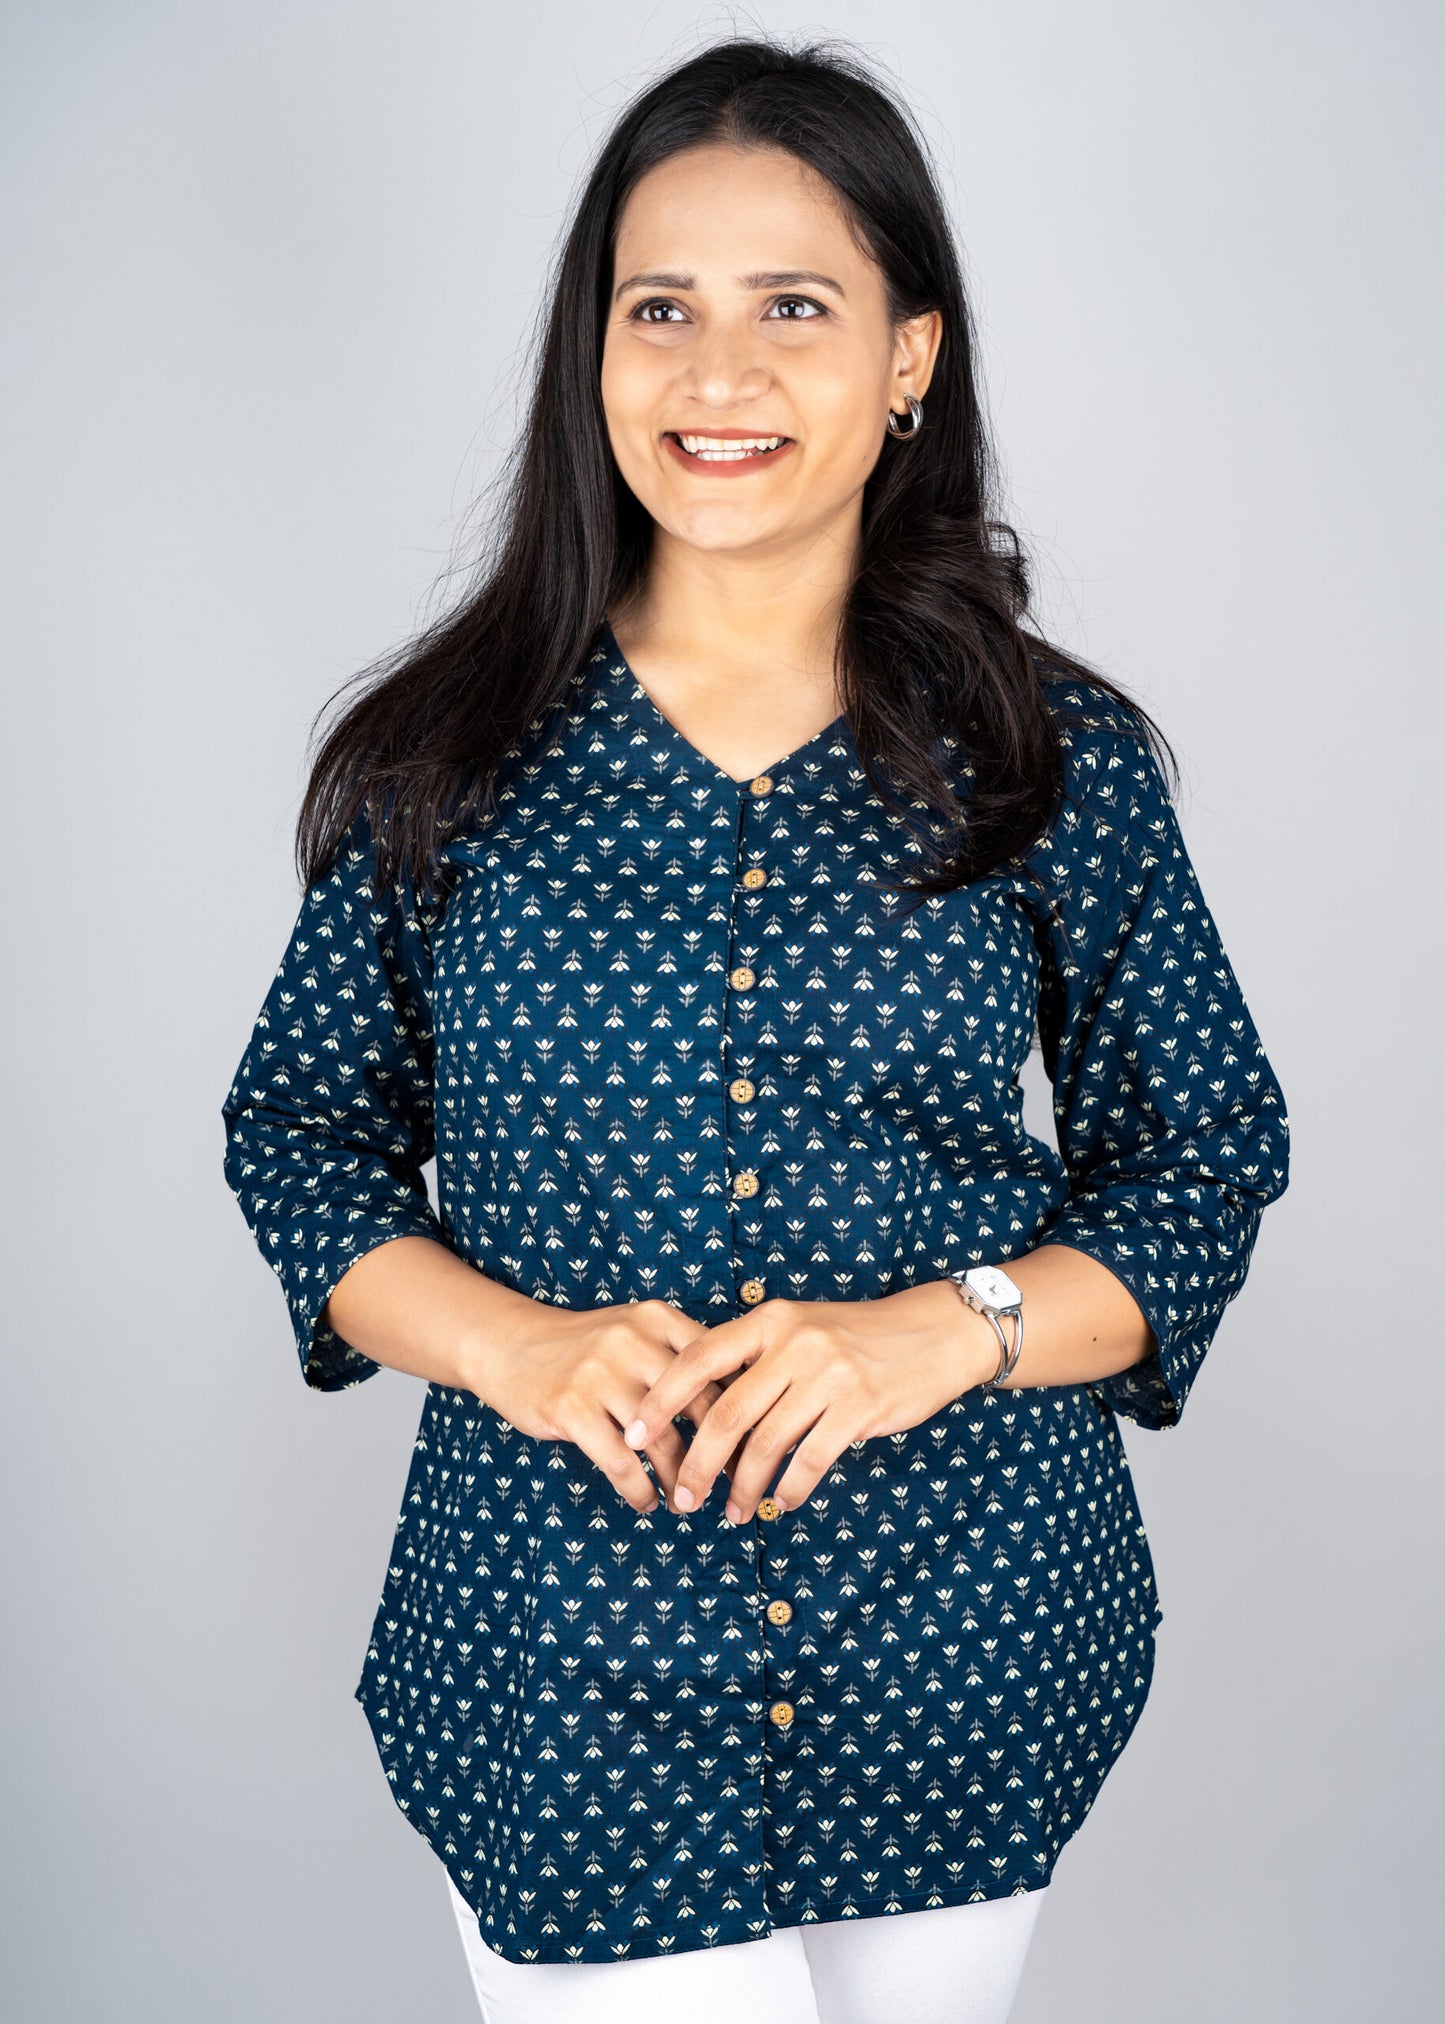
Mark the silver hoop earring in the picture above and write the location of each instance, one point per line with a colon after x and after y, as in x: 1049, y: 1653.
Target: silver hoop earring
x: 915, y: 408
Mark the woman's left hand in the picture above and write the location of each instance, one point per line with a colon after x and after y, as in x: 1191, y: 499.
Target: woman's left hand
x: 815, y: 1375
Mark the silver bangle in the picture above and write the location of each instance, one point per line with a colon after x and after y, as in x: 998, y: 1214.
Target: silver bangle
x: 1008, y: 1357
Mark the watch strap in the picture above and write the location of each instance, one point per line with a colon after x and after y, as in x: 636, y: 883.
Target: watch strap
x: 1008, y: 1353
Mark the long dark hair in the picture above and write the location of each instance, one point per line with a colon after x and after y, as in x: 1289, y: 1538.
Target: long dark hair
x: 931, y: 638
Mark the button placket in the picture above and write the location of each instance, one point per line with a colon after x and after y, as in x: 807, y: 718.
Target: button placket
x: 779, y: 1612
x: 745, y: 1182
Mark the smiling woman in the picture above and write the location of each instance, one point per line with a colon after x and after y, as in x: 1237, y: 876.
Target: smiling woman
x: 695, y: 894
x: 747, y: 417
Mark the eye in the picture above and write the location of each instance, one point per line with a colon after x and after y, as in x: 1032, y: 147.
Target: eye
x: 639, y: 313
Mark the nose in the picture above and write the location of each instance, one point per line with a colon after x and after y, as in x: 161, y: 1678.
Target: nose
x: 724, y: 369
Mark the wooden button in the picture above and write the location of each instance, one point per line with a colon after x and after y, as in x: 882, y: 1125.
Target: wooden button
x: 762, y: 785
x: 746, y: 1184
x: 768, y: 1507
x: 755, y: 876
x: 781, y: 1712
x: 780, y: 1612
x: 742, y: 1091
x: 742, y: 978
x: 752, y: 1290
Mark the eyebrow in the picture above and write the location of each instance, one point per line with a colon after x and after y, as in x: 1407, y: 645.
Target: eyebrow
x: 782, y: 278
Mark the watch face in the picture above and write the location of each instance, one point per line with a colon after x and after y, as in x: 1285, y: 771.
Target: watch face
x: 993, y: 1286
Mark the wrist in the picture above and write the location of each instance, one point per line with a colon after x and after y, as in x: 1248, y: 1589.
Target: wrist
x: 500, y: 1321
x: 968, y: 1337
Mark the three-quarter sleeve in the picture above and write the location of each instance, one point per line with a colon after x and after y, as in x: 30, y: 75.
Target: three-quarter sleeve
x: 1170, y: 1120
x: 331, y: 1115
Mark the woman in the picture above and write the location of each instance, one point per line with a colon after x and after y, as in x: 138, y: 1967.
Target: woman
x: 695, y: 893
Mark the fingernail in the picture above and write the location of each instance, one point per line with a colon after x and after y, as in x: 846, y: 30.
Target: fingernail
x: 682, y: 1497
x: 636, y: 1433
x: 735, y: 1512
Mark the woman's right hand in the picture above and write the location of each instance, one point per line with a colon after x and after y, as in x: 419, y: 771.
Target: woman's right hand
x: 578, y: 1375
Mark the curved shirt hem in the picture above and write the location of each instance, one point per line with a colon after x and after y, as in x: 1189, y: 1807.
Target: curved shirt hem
x: 743, y: 1932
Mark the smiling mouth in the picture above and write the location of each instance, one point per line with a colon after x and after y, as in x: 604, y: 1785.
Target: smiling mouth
x: 703, y: 449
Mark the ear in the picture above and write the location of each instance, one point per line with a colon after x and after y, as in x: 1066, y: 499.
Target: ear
x: 914, y: 351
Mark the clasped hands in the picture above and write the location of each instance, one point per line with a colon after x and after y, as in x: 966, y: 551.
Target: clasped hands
x: 806, y: 1376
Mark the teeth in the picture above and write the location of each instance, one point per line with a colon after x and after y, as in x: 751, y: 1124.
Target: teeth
x: 725, y: 448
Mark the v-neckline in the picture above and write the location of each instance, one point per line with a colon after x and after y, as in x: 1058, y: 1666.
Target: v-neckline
x: 646, y: 701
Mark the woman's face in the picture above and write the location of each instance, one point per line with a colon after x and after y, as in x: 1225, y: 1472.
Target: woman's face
x: 742, y: 307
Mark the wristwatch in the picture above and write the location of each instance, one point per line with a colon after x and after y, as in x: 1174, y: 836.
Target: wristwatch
x: 991, y: 1293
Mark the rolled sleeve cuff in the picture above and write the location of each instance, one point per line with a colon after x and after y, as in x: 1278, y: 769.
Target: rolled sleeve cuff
x: 328, y: 1362
x: 1151, y: 1392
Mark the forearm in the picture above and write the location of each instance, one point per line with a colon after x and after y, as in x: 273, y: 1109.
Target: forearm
x: 1081, y: 1323
x: 416, y: 1306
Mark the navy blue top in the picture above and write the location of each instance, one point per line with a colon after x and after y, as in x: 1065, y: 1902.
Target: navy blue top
x: 608, y: 1726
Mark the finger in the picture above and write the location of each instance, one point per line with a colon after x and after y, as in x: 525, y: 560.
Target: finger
x: 667, y: 1447
x: 695, y: 1411
x: 595, y: 1433
x: 726, y: 1426
x: 667, y: 1451
x: 768, y: 1445
x: 733, y: 1464
x: 834, y: 1430
x: 699, y: 1363
x: 644, y: 1363
x: 666, y: 1456
x: 697, y: 1407
x: 730, y: 1466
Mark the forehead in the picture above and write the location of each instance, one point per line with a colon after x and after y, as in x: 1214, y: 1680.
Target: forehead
x: 717, y: 206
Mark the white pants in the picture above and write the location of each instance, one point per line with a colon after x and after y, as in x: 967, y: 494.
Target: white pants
x: 956, y: 1964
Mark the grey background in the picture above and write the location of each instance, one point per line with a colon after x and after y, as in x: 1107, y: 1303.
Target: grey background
x: 268, y: 276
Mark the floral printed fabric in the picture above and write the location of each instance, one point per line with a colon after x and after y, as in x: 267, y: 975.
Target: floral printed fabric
x: 597, y: 1021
